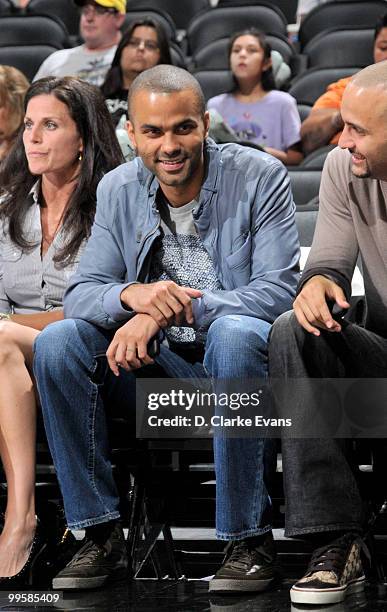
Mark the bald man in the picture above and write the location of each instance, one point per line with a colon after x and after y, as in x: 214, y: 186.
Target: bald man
x: 322, y: 497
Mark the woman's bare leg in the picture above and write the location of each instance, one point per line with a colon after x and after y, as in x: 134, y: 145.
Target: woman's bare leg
x: 17, y: 444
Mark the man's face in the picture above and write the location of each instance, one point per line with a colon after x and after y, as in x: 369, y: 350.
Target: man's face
x: 380, y: 46
x: 168, y: 131
x: 99, y: 26
x: 364, y: 112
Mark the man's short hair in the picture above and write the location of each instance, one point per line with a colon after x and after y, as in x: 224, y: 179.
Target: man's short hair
x: 167, y: 79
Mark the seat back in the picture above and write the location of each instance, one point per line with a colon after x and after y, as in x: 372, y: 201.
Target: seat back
x: 63, y: 9
x: 311, y: 84
x: 7, y: 7
x: 214, y: 56
x: 287, y: 7
x: 221, y: 22
x: 306, y: 224
x: 338, y: 47
x: 214, y: 82
x: 181, y: 11
x: 316, y: 159
x: 305, y: 185
x: 344, y: 14
x: 33, y: 30
x: 27, y: 58
x: 160, y: 16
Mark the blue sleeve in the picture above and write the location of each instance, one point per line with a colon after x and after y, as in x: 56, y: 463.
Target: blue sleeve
x: 274, y: 259
x: 94, y: 290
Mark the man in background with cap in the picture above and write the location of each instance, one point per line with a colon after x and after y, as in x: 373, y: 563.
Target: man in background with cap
x: 100, y: 25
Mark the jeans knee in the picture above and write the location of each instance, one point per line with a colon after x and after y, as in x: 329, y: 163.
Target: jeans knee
x: 237, y: 346
x: 235, y: 332
x: 55, y: 344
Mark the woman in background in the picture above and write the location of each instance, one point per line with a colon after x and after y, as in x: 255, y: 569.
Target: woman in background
x: 48, y: 187
x: 13, y: 87
x: 254, y: 109
x: 144, y: 45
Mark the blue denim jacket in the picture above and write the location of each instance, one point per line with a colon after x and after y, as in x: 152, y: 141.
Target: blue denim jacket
x: 245, y: 219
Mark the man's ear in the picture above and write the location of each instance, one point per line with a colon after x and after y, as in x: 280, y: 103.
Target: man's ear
x: 130, y: 130
x: 206, y: 121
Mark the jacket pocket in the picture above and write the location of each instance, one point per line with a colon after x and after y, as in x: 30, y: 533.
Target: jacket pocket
x: 241, y: 257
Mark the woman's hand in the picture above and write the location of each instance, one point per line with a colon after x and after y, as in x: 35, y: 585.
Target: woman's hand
x: 128, y: 348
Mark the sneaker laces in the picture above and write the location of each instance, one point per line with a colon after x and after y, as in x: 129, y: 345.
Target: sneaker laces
x: 243, y: 555
x: 332, y: 557
x: 87, y: 554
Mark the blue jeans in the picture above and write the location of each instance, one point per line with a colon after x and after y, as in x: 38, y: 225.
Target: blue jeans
x: 70, y: 386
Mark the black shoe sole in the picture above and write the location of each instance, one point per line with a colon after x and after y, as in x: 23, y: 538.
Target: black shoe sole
x: 71, y: 583
x: 231, y: 585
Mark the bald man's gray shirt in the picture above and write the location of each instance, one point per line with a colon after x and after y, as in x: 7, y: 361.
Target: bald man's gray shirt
x: 352, y: 218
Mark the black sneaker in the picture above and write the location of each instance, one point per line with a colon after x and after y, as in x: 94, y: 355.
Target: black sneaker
x: 94, y: 565
x: 248, y: 567
x: 334, y: 572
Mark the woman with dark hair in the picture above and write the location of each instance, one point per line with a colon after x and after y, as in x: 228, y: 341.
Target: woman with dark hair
x: 144, y: 45
x: 48, y: 197
x: 254, y: 109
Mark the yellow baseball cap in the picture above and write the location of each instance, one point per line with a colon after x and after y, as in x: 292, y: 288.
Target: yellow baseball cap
x: 119, y: 5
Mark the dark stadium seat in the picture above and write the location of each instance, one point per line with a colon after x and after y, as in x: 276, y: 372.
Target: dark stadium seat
x: 214, y: 56
x: 316, y: 159
x: 160, y: 16
x: 214, y: 82
x: 6, y: 6
x: 305, y: 185
x: 310, y: 85
x: 181, y: 11
x: 306, y: 224
x: 27, y: 58
x: 287, y: 7
x: 177, y: 56
x: 336, y: 14
x: 304, y: 110
x: 221, y: 22
x: 63, y: 9
x: 32, y: 30
x: 338, y: 47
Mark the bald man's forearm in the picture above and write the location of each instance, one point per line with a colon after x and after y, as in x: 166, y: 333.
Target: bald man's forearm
x: 319, y: 128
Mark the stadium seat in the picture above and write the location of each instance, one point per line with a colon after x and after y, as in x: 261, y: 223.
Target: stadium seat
x: 287, y: 7
x: 304, y: 110
x: 336, y: 14
x: 32, y: 30
x: 181, y: 11
x: 305, y: 185
x: 214, y: 82
x: 316, y: 159
x: 338, y: 47
x: 221, y: 22
x: 27, y: 58
x: 160, y: 16
x: 7, y: 6
x: 310, y: 85
x: 177, y: 56
x: 66, y: 11
x: 214, y: 56
x: 306, y: 224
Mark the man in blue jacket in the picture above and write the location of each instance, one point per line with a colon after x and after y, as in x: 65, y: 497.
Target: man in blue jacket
x: 197, y: 240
